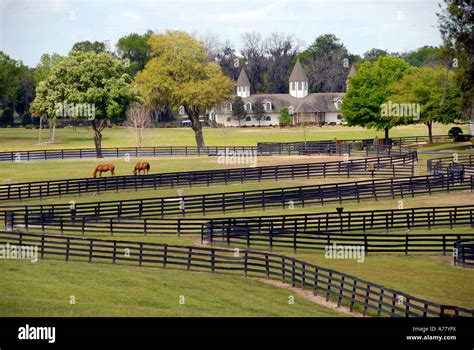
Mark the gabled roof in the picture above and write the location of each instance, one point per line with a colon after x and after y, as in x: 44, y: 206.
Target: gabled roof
x: 298, y: 73
x: 243, y: 79
x: 317, y: 102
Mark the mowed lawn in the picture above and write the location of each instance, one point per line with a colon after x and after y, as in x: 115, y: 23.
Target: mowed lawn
x: 47, y: 287
x: 22, y: 139
x: 83, y: 168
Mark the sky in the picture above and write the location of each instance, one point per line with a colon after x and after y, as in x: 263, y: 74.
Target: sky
x: 30, y: 28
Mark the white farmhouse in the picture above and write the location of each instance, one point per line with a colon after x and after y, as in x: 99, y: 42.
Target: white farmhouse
x: 316, y: 108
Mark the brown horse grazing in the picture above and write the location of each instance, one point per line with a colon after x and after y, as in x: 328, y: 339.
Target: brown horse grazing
x: 103, y: 168
x: 141, y: 166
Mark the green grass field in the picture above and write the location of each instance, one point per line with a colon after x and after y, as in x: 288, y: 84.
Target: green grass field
x: 23, y: 139
x: 45, y: 289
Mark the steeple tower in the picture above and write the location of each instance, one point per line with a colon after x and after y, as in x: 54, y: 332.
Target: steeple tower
x: 298, y: 81
x: 243, y: 84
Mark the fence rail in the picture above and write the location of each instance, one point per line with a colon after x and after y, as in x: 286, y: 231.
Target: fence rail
x: 458, y: 163
x: 357, y: 294
x: 325, y: 222
x: 464, y: 252
x: 368, y: 243
x: 269, y: 148
x: 396, y: 166
x: 255, y: 199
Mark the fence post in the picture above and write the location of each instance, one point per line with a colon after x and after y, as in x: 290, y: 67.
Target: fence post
x: 165, y: 255
x: 213, y: 260
x: 246, y: 263
x: 91, y: 243
x: 328, y: 289
x: 67, y: 247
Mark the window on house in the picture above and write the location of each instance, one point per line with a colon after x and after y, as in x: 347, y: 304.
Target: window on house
x: 268, y: 118
x: 248, y: 107
x: 339, y: 117
x: 267, y: 106
x: 248, y: 119
x: 300, y: 85
x: 229, y: 107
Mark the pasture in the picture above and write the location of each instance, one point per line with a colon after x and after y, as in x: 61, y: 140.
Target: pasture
x: 102, y: 289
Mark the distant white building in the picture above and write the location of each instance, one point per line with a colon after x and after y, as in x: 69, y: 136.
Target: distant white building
x: 316, y: 108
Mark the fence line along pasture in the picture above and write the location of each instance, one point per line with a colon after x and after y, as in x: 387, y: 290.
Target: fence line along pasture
x: 464, y: 252
x: 255, y: 199
x: 457, y: 163
x: 372, y: 243
x: 325, y: 222
x: 396, y: 166
x: 345, y: 146
x: 347, y: 290
x: 290, y: 148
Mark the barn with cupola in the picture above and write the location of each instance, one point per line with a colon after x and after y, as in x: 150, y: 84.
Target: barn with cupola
x: 305, y: 107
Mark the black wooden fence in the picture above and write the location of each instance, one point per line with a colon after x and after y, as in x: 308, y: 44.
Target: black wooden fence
x: 289, y: 148
x: 368, y: 242
x: 350, y: 291
x: 255, y: 199
x: 396, y: 144
x: 122, y: 152
x: 396, y: 166
x: 455, y: 163
x: 326, y: 222
x: 356, y: 221
x: 464, y: 252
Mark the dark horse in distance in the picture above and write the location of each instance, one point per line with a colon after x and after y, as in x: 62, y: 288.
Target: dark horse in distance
x: 145, y: 166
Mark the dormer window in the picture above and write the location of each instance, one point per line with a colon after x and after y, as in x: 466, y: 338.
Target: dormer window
x: 337, y: 104
x: 248, y: 107
x: 267, y: 106
x: 228, y: 107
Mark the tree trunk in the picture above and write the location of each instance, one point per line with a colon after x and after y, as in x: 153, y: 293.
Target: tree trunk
x: 98, y: 144
x: 429, y: 124
x: 386, y: 137
x: 52, y: 132
x: 193, y: 114
x: 98, y: 136
x: 40, y: 130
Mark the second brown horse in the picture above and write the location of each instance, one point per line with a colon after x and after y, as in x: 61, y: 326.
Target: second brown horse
x: 102, y: 168
x: 145, y: 166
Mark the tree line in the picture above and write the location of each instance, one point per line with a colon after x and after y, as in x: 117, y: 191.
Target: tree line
x: 166, y: 71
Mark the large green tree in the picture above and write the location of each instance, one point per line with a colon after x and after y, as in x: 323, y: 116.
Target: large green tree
x: 369, y: 89
x: 134, y: 49
x: 434, y: 90
x: 424, y: 56
x: 456, y: 23
x: 44, y: 66
x: 238, y: 109
x: 179, y: 74
x: 16, y: 85
x: 88, y: 46
x: 86, y: 81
